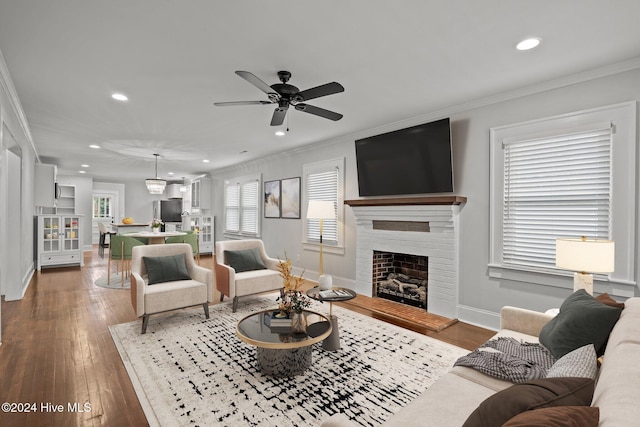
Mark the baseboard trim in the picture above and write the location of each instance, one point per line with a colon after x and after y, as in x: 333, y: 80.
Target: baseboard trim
x: 477, y: 317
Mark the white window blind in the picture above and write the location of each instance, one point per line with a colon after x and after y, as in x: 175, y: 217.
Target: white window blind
x: 242, y: 206
x: 323, y: 186
x: 232, y: 208
x: 249, y: 207
x: 555, y: 186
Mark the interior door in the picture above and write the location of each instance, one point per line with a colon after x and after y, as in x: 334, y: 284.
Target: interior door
x: 105, y: 206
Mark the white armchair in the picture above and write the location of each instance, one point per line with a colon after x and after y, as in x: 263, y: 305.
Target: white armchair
x: 254, y: 279
x: 170, y: 295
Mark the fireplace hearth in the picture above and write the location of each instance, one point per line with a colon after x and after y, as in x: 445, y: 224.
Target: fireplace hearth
x: 401, y: 277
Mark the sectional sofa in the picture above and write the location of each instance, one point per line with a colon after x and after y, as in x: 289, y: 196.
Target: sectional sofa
x: 453, y: 398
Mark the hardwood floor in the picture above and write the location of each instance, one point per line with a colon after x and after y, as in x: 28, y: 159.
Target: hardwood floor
x: 57, y: 350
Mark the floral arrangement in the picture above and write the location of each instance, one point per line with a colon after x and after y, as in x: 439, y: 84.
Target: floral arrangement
x: 291, y: 298
x: 155, y: 223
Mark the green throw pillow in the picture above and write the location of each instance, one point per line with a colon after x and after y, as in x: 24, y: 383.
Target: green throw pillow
x: 166, y: 268
x: 543, y: 393
x: 582, y: 320
x: 244, y: 260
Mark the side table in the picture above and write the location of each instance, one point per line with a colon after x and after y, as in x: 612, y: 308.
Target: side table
x: 332, y: 342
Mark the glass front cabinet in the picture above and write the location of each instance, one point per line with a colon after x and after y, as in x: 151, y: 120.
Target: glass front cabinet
x: 203, y: 225
x: 59, y: 240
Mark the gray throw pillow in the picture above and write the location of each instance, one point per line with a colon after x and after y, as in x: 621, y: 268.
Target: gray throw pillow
x: 582, y: 320
x: 166, y: 268
x: 244, y: 260
x: 581, y: 363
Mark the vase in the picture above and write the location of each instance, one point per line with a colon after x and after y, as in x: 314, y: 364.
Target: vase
x: 298, y: 322
x: 156, y: 229
x: 325, y: 282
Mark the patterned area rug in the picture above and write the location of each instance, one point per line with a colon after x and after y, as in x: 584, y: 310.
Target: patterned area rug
x: 189, y: 371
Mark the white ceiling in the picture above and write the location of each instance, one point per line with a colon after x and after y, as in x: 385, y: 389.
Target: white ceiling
x: 173, y: 59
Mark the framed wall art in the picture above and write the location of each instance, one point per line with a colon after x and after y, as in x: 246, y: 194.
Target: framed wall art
x: 290, y: 198
x: 272, y: 199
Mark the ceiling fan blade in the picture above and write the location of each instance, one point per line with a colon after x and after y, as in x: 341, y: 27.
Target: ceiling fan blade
x: 234, y: 103
x: 251, y: 78
x: 278, y: 116
x: 331, y: 115
x: 318, y: 91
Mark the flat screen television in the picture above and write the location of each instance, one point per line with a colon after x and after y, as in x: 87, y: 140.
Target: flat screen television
x: 414, y: 160
x: 171, y: 210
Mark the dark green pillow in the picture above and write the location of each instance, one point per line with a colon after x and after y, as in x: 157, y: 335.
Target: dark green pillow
x: 244, y: 260
x: 582, y: 320
x: 166, y: 268
x: 543, y: 393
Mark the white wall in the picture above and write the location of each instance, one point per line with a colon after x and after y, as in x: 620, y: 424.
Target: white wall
x: 480, y: 297
x: 12, y: 118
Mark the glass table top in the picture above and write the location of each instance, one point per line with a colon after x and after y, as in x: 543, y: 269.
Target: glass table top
x: 255, y: 329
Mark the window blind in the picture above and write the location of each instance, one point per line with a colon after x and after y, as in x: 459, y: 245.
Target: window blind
x: 232, y: 207
x: 249, y: 208
x: 553, y: 187
x: 323, y: 186
x: 242, y: 211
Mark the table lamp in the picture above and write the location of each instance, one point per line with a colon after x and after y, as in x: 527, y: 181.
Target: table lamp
x: 582, y: 255
x: 321, y: 210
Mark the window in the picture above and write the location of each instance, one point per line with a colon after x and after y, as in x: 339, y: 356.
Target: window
x: 554, y: 186
x: 324, y: 181
x: 102, y: 207
x: 565, y: 176
x: 242, y: 204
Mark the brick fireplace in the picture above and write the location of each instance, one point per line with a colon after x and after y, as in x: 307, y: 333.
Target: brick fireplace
x: 422, y: 226
x: 403, y: 278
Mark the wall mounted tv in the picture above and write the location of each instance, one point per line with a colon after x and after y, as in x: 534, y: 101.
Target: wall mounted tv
x: 414, y: 160
x: 171, y: 210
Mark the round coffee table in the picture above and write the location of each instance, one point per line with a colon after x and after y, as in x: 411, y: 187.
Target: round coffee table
x: 279, y: 352
x: 332, y: 342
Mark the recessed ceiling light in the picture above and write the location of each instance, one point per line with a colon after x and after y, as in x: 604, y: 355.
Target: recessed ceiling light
x: 529, y: 43
x: 119, y: 97
x: 205, y: 161
x: 82, y: 172
x: 280, y: 133
x: 170, y: 173
x: 84, y: 166
x: 94, y: 146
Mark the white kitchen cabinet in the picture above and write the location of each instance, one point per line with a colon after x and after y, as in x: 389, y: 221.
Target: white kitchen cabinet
x: 201, y: 194
x: 44, y: 185
x: 59, y: 240
x: 204, y: 226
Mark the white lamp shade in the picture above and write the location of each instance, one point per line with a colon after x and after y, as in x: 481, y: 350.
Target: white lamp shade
x: 321, y: 209
x: 585, y: 255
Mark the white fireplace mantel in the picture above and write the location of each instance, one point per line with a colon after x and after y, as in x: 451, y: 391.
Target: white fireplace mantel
x: 440, y: 243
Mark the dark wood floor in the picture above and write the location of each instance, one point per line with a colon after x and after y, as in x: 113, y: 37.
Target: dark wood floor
x: 57, y: 350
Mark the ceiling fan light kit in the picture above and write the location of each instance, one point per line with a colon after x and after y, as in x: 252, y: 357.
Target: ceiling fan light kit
x: 285, y: 95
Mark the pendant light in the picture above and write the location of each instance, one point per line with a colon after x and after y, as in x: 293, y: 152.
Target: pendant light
x: 156, y: 185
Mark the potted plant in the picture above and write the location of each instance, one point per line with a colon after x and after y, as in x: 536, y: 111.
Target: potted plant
x: 155, y: 225
x: 292, y: 299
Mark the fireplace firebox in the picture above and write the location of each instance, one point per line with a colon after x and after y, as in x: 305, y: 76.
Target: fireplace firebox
x: 401, y: 277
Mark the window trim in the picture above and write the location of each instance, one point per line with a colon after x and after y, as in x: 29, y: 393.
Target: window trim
x: 241, y: 181
x: 318, y: 167
x: 623, y: 198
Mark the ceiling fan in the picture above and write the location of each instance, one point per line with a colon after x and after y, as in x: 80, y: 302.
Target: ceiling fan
x: 285, y: 95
